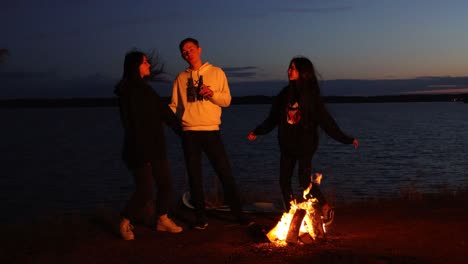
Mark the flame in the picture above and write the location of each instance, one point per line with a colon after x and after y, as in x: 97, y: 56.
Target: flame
x: 279, y: 233
x: 318, y: 178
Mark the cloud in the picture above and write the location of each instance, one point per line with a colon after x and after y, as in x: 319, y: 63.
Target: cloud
x: 442, y: 86
x: 236, y: 69
x: 262, y: 13
x: 317, y: 10
x: 269, y: 88
x: 241, y: 72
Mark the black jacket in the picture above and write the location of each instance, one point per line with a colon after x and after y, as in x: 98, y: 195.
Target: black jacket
x: 143, y: 113
x: 300, y: 136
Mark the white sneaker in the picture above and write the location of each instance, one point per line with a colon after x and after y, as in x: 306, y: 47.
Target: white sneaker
x: 126, y: 229
x: 166, y: 224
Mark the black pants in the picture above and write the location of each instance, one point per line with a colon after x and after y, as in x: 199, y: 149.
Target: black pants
x: 209, y: 142
x: 141, y: 208
x: 304, y: 172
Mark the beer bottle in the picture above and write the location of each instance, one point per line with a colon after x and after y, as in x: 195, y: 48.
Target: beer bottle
x: 200, y: 84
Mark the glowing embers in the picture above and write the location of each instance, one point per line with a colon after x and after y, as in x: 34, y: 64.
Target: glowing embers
x: 302, y: 223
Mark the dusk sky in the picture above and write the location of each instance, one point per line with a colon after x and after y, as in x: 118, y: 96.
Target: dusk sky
x: 359, y: 47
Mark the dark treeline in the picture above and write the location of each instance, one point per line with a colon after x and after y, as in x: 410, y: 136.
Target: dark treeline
x: 257, y: 99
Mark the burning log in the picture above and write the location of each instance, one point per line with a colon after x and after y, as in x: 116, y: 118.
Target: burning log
x: 317, y: 225
x: 295, y: 226
x: 298, y: 226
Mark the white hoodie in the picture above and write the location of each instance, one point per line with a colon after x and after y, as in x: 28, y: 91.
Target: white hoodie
x: 200, y: 115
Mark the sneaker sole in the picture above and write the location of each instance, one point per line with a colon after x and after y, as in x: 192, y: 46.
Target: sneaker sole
x: 201, y: 227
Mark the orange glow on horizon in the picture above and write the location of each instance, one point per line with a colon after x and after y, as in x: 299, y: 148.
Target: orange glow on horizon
x: 440, y: 91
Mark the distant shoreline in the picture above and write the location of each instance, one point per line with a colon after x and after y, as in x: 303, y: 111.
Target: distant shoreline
x: 239, y: 100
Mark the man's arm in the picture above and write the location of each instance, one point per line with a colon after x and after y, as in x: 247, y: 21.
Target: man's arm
x: 221, y: 94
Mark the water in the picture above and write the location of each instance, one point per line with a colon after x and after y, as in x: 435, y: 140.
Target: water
x: 66, y: 160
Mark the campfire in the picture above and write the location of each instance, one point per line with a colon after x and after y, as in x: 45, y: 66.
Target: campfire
x: 302, y: 223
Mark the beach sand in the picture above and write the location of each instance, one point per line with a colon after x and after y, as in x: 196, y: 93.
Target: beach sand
x: 422, y: 231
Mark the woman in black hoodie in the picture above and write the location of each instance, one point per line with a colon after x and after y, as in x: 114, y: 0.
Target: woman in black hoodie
x: 298, y: 111
x: 142, y: 114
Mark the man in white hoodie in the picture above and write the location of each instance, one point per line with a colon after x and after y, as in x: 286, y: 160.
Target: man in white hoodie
x: 198, y: 94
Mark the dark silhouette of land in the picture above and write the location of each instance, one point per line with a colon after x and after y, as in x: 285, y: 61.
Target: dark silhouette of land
x: 254, y: 99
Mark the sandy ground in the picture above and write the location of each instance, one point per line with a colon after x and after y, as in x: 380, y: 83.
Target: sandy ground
x: 426, y: 231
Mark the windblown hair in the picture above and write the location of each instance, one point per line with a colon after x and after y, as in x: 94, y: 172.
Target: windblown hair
x: 131, y: 71
x: 132, y: 62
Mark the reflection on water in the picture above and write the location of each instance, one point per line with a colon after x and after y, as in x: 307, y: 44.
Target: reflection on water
x: 67, y: 160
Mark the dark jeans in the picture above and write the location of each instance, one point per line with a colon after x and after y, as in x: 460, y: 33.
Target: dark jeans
x: 209, y: 142
x: 141, y: 207
x: 304, y: 172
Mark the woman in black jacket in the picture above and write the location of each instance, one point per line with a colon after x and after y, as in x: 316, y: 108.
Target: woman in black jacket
x: 142, y: 114
x: 298, y: 111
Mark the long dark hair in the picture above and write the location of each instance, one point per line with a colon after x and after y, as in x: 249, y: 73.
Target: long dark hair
x: 132, y: 62
x: 306, y: 88
x: 131, y: 69
x: 308, y: 80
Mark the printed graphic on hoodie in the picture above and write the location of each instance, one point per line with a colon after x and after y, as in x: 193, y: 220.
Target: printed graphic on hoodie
x: 193, y: 89
x: 293, y: 115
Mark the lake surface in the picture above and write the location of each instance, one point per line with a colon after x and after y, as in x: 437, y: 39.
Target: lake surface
x: 65, y: 160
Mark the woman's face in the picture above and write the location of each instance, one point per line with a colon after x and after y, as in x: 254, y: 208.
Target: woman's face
x: 293, y: 73
x: 144, y: 67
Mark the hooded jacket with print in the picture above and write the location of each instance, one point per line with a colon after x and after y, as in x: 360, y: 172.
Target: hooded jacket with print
x: 298, y: 132
x: 196, y: 114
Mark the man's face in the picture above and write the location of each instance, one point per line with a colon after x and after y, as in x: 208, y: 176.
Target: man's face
x: 191, y: 53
